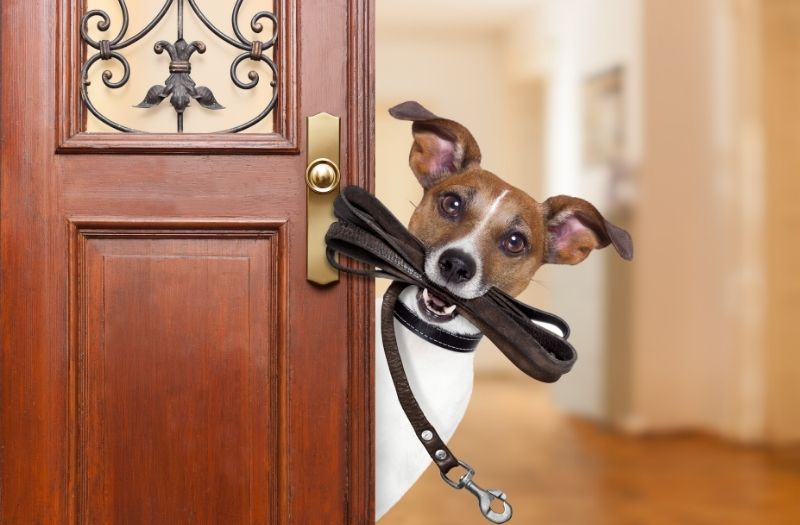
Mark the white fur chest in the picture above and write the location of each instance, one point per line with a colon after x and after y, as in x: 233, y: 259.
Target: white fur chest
x: 442, y: 383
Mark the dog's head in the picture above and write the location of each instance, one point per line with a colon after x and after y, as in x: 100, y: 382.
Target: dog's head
x: 479, y: 230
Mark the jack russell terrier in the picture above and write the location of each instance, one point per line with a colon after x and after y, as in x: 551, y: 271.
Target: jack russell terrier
x: 479, y: 232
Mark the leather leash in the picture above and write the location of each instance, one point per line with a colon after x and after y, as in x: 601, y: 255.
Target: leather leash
x: 368, y: 232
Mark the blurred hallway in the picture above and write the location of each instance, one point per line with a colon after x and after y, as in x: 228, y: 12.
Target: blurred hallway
x: 680, y: 121
x: 559, y: 470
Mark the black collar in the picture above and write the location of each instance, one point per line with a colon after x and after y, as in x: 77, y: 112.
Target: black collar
x: 434, y: 334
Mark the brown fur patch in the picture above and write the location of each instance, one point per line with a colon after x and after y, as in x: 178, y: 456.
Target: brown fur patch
x: 518, y: 212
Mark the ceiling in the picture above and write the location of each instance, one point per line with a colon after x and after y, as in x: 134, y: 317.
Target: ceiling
x: 446, y: 14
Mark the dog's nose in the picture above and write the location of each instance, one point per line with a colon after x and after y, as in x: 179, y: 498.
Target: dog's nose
x: 456, y: 266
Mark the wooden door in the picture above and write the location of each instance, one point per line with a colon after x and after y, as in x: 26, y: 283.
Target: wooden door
x: 164, y: 359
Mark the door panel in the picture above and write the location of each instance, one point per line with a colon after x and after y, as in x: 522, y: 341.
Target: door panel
x: 164, y: 359
x: 178, y: 357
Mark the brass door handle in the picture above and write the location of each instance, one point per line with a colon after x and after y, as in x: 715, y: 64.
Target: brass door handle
x: 322, y: 187
x: 322, y: 176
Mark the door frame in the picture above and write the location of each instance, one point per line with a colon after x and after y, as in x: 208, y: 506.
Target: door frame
x: 360, y: 291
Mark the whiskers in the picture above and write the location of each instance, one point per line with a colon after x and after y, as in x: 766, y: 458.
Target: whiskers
x: 541, y: 283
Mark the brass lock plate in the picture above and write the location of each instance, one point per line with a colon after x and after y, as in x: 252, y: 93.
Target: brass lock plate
x: 322, y: 187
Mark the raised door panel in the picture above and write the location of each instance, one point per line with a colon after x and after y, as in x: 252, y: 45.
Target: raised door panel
x: 178, y: 374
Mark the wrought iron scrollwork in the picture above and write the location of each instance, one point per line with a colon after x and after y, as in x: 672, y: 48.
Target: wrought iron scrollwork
x: 179, y: 86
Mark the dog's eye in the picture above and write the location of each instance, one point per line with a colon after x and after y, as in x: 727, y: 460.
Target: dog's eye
x: 514, y: 244
x: 451, y: 205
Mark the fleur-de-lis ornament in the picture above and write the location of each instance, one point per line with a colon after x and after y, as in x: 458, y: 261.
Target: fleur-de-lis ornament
x: 179, y: 84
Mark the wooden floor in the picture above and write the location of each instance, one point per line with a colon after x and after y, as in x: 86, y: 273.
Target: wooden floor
x: 561, y: 471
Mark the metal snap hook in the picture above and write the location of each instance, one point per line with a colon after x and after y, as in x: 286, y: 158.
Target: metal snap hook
x: 485, y: 497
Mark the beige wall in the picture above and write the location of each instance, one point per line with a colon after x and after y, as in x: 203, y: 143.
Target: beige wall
x: 716, y: 347
x: 209, y: 69
x: 684, y: 356
x: 781, y: 56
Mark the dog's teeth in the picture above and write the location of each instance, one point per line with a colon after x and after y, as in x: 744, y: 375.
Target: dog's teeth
x: 450, y: 309
x: 426, y: 296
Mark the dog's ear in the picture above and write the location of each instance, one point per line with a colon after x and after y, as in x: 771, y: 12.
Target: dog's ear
x: 441, y: 147
x: 575, y: 228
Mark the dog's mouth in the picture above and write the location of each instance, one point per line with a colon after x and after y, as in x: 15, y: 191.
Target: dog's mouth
x: 436, y: 308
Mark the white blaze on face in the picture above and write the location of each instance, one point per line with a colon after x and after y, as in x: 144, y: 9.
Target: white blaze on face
x: 475, y: 287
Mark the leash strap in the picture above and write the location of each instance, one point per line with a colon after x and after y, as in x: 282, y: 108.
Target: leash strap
x: 369, y: 233
x: 441, y: 455
x: 425, y: 432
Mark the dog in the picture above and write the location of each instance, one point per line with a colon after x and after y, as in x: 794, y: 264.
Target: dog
x: 479, y: 232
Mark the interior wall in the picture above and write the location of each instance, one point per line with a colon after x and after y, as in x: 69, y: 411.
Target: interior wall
x: 781, y: 59
x: 699, y: 352
x: 677, y: 331
x: 740, y: 388
x: 564, y: 43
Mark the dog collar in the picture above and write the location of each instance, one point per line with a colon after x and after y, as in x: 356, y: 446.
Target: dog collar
x: 432, y: 333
